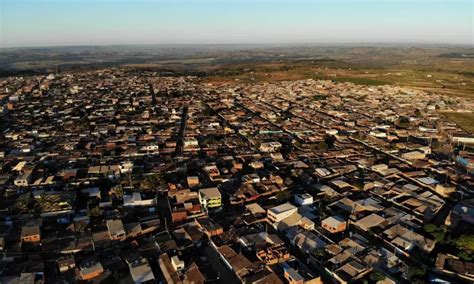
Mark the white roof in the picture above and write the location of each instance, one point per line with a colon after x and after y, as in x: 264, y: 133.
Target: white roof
x: 141, y: 273
x: 210, y: 192
x: 333, y: 221
x: 282, y: 208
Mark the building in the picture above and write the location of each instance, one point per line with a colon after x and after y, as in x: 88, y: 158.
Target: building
x: 135, y: 199
x: 414, y: 155
x: 177, y: 263
x: 30, y: 234
x: 210, y: 198
x: 280, y: 212
x: 23, y: 180
x: 90, y: 269
x: 334, y: 224
x: 116, y: 229
x: 140, y: 270
x: 269, y: 147
x: 303, y: 199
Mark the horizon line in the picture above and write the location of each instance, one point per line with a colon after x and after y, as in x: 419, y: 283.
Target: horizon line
x: 334, y: 44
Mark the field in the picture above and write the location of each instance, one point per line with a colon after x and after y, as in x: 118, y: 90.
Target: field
x: 465, y: 120
x: 444, y: 70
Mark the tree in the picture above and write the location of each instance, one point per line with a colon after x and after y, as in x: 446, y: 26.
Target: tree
x: 283, y: 195
x: 95, y: 212
x: 465, y: 242
x: 403, y: 122
x: 330, y: 140
x: 438, y: 232
x: 117, y: 191
x: 417, y: 112
x: 320, y: 252
x: 377, y: 276
x: 153, y: 183
x: 466, y: 256
x: 415, y: 273
x: 323, y: 146
x: 430, y: 228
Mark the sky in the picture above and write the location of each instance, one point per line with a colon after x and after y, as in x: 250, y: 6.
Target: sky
x: 110, y: 22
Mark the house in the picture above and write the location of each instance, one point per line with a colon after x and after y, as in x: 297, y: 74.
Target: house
x: 306, y: 241
x: 66, y: 263
x: 177, y: 263
x: 190, y: 145
x: 370, y: 221
x: 135, y: 199
x: 210, y: 198
x: 193, y: 275
x: 209, y: 227
x: 334, y: 224
x: 169, y: 273
x: 303, y: 199
x: 116, y: 229
x: 30, y: 234
x: 294, y: 276
x: 193, y: 181
x: 306, y: 224
x: 23, y: 180
x: 280, y: 212
x: 269, y: 147
x: 236, y: 262
x: 454, y: 266
x: 414, y: 155
x: 140, y: 269
x: 90, y: 269
x: 213, y: 173
x: 352, y: 271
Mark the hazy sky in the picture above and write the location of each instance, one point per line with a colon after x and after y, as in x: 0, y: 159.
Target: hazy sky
x: 89, y: 22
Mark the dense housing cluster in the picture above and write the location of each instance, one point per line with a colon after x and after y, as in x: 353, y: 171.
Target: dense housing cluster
x: 122, y: 174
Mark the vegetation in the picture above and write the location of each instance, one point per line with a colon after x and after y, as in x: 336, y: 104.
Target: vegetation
x: 283, y: 195
x: 438, y: 232
x: 361, y: 81
x: 416, y: 274
x: 451, y: 69
x: 330, y: 140
x: 152, y: 183
x: 117, y: 191
x: 465, y: 120
x: 377, y: 276
x: 465, y: 242
x: 95, y: 212
x: 418, y: 113
x: 403, y: 122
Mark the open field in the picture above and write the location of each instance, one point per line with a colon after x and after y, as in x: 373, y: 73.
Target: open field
x: 445, y: 70
x: 465, y: 120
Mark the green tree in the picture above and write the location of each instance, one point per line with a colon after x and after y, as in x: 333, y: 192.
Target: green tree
x: 95, y: 212
x: 152, y: 183
x: 117, y: 191
x: 415, y: 273
x: 377, y: 276
x: 465, y: 242
x: 320, y: 252
x: 323, y: 146
x: 430, y: 228
x: 466, y: 256
x: 283, y: 195
x: 403, y: 122
x: 417, y: 112
x: 438, y: 232
x: 330, y: 140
